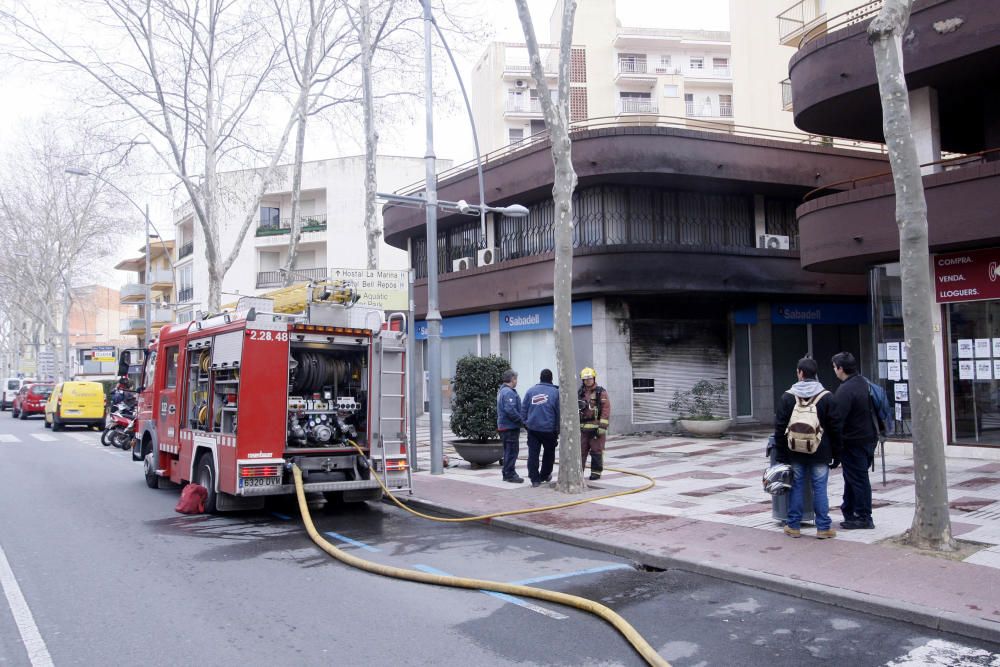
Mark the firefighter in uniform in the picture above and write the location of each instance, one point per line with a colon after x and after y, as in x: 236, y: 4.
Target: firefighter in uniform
x: 595, y: 410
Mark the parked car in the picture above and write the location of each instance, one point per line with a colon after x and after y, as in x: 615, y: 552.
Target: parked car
x: 31, y: 400
x: 75, y: 403
x: 10, y: 388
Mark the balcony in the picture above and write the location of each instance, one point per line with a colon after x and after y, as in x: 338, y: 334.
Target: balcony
x: 517, y: 65
x: 800, y: 20
x: 160, y: 316
x: 185, y: 294
x: 277, y: 278
x: 133, y: 326
x: 708, y: 73
x: 132, y: 293
x: 315, y: 222
x: 636, y: 105
x: 185, y: 250
x: 161, y: 279
x: 521, y: 106
x: 634, y: 70
x: 723, y: 110
x: 786, y: 94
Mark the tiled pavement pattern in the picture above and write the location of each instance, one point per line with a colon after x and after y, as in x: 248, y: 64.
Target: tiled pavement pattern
x: 719, y: 481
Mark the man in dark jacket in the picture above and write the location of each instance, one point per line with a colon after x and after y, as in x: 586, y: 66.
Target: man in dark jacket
x: 509, y: 423
x: 858, y: 438
x: 540, y: 412
x: 815, y: 467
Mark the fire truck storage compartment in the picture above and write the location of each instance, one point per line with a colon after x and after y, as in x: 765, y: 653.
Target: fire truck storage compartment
x: 214, y: 383
x: 327, y: 394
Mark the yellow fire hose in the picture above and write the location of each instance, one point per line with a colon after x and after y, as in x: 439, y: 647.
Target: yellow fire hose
x: 596, y: 608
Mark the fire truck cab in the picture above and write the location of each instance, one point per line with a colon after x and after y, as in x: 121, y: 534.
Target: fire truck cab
x: 232, y: 401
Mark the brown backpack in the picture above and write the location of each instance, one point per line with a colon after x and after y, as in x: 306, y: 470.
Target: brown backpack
x: 804, y: 432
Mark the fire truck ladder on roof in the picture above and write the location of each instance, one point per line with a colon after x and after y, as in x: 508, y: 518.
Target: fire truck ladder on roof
x: 397, y: 423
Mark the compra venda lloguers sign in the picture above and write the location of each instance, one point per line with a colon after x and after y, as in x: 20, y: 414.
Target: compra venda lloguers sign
x: 967, y: 276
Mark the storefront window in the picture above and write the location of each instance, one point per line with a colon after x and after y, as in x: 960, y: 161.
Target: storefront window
x: 974, y: 359
x: 888, y: 366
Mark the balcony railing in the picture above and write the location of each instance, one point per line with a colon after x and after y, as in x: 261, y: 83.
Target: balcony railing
x: 132, y: 325
x: 277, y: 278
x: 695, y: 110
x: 794, y: 20
x: 636, y: 105
x: 161, y: 277
x: 185, y: 294
x: 161, y: 316
x: 523, y: 105
x: 786, y: 94
x: 708, y: 73
x: 310, y: 223
x: 725, y: 110
x: 132, y: 293
x: 632, y: 67
x: 185, y: 250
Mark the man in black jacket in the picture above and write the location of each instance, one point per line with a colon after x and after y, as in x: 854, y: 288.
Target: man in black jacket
x: 858, y: 438
x: 814, y: 467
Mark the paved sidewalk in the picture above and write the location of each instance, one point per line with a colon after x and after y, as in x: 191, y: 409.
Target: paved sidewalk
x: 709, y: 514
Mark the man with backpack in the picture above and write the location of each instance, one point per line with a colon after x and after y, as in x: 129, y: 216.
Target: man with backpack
x: 859, y: 437
x: 805, y: 431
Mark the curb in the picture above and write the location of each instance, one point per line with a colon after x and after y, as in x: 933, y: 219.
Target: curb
x: 928, y: 617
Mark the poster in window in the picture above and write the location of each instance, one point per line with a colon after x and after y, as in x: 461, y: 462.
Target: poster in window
x: 996, y: 368
x: 882, y: 370
x: 996, y: 348
x: 899, y: 412
x: 982, y: 348
x: 903, y: 350
x: 966, y: 370
x: 892, y: 351
x: 902, y: 392
x: 893, y: 371
x: 881, y: 351
x: 965, y: 348
x: 984, y: 369
x: 906, y: 370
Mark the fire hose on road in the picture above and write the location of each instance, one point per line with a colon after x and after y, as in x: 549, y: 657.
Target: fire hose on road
x: 620, y: 624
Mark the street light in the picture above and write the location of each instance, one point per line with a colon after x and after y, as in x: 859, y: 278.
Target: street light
x: 147, y: 305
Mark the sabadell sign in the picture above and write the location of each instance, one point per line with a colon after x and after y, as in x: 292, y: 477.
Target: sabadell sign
x: 967, y: 276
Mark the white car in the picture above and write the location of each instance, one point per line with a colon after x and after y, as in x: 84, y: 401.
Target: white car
x: 10, y: 388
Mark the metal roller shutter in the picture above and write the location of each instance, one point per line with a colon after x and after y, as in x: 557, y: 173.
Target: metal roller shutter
x: 673, y: 355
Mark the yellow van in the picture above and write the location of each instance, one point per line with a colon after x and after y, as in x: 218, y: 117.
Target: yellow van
x: 75, y: 403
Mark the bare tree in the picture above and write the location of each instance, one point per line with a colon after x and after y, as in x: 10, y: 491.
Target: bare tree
x: 931, y: 528
x: 373, y: 233
x: 188, y: 74
x: 557, y: 117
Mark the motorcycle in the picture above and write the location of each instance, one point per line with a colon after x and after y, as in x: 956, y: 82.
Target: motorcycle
x: 119, y: 429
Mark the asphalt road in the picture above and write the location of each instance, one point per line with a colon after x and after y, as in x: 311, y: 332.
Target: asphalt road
x: 107, y: 573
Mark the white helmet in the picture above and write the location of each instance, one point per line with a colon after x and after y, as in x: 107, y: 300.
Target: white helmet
x: 778, y: 479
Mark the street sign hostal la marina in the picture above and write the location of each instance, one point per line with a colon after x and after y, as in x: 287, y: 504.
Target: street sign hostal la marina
x: 379, y: 288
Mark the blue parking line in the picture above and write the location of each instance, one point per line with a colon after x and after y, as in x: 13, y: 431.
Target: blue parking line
x: 501, y: 596
x: 593, y: 570
x: 347, y: 540
x: 283, y: 517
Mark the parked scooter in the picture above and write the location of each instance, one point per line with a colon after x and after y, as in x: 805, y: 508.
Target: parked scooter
x: 119, y: 428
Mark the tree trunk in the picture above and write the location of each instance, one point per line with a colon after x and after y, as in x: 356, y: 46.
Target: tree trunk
x: 295, y: 230
x: 557, y: 119
x: 373, y: 233
x: 931, y: 527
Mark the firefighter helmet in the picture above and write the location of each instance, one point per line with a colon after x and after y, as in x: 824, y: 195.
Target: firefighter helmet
x: 588, y: 373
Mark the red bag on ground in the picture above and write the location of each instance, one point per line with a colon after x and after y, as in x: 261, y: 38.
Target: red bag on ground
x: 192, y: 500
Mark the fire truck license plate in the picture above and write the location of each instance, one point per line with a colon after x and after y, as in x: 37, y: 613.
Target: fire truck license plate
x: 261, y: 481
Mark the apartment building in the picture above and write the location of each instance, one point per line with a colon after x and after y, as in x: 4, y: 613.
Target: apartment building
x: 161, y: 288
x: 331, y: 215
x: 617, y: 73
x: 95, y: 329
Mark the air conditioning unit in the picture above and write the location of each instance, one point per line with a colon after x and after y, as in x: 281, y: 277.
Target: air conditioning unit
x: 461, y: 264
x: 486, y: 256
x: 773, y: 242
x: 520, y: 84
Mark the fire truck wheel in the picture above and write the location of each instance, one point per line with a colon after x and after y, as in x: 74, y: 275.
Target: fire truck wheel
x: 205, y: 476
x: 149, y: 469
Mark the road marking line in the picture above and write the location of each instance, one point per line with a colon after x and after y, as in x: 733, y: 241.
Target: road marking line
x: 38, y: 653
x: 347, y: 540
x: 82, y: 437
x: 44, y: 437
x: 502, y: 596
x: 593, y: 570
x: 4, y: 437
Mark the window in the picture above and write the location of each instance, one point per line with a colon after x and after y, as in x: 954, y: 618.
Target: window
x: 270, y: 216
x: 742, y: 367
x: 643, y: 385
x: 172, y: 354
x: 665, y: 62
x: 697, y: 63
x: 150, y: 370
x: 671, y: 90
x: 726, y: 105
x: 515, y: 134
x: 186, y: 277
x: 720, y: 63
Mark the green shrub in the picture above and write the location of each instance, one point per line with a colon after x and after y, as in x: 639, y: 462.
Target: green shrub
x: 474, y: 396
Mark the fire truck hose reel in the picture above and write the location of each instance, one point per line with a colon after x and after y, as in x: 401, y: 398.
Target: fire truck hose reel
x: 620, y: 624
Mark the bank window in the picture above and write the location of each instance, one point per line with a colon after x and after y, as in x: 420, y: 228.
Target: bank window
x: 643, y: 385
x: 974, y: 351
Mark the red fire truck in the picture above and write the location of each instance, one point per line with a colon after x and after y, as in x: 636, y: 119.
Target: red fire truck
x: 232, y: 401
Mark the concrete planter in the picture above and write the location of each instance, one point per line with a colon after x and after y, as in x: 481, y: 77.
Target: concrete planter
x: 479, y: 453
x: 705, y: 427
